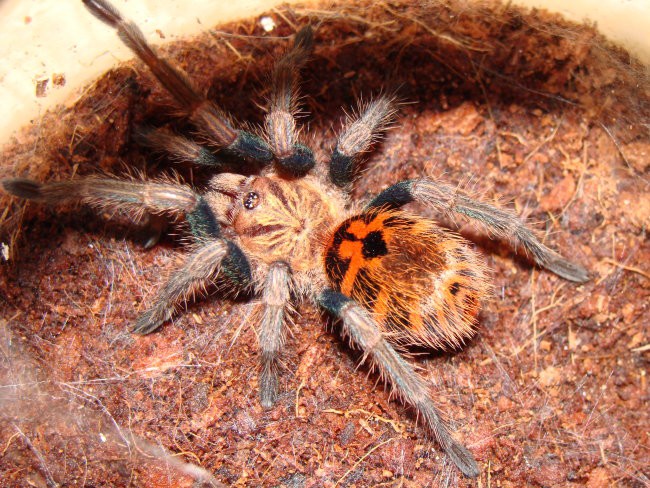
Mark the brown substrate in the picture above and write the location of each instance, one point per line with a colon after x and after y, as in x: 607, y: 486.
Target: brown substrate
x: 552, y: 391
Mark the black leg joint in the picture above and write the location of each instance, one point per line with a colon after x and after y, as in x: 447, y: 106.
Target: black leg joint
x: 298, y: 163
x: 236, y: 269
x: 394, y: 196
x: 250, y: 146
x: 332, y: 301
x: 207, y: 158
x: 202, y: 220
x: 341, y: 169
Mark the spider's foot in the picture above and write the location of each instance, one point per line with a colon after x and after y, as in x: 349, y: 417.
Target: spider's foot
x: 149, y: 321
x: 268, y: 389
x: 22, y: 188
x: 104, y: 11
x: 567, y: 270
x: 462, y: 458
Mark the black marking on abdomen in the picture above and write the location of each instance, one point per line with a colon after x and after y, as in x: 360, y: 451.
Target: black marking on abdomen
x: 374, y: 245
x: 342, y: 234
x: 454, y: 288
x: 336, y: 267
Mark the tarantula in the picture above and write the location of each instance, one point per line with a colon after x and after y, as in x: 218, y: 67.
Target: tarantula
x: 290, y: 232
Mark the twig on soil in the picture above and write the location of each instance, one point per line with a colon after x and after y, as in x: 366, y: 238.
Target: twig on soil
x: 545, y: 141
x: 397, y: 426
x: 360, y: 460
x: 41, y: 460
x: 633, y: 269
x: 463, y: 44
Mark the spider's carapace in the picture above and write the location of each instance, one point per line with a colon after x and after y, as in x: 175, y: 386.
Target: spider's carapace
x: 423, y: 283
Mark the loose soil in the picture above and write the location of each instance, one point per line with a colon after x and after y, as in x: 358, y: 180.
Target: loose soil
x: 518, y: 107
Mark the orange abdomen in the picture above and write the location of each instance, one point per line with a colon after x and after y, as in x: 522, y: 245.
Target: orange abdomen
x: 423, y: 283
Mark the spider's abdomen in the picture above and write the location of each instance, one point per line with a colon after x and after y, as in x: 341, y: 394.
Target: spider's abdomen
x: 423, y: 283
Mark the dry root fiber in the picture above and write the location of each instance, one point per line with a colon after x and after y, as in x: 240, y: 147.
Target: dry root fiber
x: 518, y: 105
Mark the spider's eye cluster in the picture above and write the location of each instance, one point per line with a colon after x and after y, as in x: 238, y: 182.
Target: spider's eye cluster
x: 251, y: 200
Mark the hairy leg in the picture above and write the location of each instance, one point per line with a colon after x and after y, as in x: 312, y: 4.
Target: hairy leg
x: 211, y: 120
x: 178, y: 148
x: 357, y: 136
x: 276, y: 298
x: 503, y: 223
x: 292, y: 157
x: 199, y: 270
x: 112, y: 193
x: 213, y: 255
x: 364, y: 332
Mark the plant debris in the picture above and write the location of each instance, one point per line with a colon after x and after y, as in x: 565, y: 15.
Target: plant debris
x: 517, y: 106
